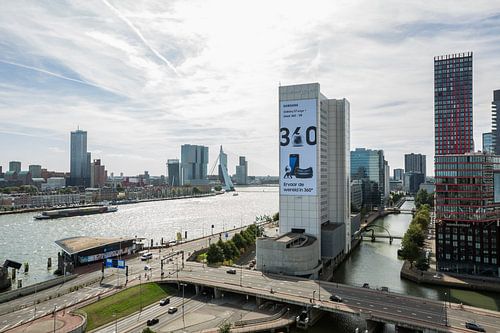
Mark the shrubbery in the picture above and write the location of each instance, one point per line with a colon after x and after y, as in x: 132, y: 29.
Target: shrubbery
x: 414, y: 237
x: 232, y: 249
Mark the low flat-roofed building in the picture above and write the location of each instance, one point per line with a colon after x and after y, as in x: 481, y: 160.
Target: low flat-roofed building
x: 78, y: 251
x: 289, y: 254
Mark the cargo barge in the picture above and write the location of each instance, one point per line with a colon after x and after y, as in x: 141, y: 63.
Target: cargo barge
x: 59, y: 213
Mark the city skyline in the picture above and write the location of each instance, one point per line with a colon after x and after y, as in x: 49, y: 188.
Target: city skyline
x: 143, y: 80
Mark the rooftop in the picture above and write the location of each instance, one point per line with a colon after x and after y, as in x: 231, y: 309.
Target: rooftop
x: 74, y: 245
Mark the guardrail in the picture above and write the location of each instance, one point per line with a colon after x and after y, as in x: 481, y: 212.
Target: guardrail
x: 275, y: 316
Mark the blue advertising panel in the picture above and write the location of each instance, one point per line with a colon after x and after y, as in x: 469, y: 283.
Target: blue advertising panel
x: 109, y: 262
x: 120, y: 264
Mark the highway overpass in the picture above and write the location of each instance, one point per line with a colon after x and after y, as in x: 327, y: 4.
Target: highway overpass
x: 374, y: 306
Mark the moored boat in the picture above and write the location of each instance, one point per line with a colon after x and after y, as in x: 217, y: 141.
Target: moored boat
x: 68, y: 212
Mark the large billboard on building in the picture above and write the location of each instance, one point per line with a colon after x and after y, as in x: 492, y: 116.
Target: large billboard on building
x: 298, y: 139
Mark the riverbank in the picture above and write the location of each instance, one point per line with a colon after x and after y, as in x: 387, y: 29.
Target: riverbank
x: 449, y: 280
x: 39, y: 209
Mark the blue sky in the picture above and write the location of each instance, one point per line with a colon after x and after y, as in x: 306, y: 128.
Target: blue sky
x: 144, y: 78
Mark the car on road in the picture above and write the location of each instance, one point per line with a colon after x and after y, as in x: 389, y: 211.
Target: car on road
x: 437, y: 276
x: 231, y: 271
x: 172, y: 309
x: 147, y: 256
x: 165, y: 301
x: 384, y: 289
x: 152, y: 322
x: 366, y: 285
x: 336, y: 298
x: 147, y: 268
x: 473, y: 326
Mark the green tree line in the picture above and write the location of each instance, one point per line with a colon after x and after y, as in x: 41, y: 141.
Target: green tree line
x: 413, y: 239
x: 233, y: 248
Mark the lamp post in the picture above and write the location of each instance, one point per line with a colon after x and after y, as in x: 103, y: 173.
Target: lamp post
x: 34, y: 300
x: 183, y: 322
x: 140, y: 292
x: 445, y: 311
x: 314, y: 292
x: 55, y: 306
x: 319, y: 288
x: 241, y: 275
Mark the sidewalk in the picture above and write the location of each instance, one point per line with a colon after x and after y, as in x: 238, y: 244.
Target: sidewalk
x: 448, y: 280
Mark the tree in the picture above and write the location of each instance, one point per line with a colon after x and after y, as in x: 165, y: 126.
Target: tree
x: 234, y: 250
x: 215, y: 254
x: 276, y: 216
x: 415, y: 234
x: 218, y: 188
x: 225, y: 328
x: 226, y: 249
x: 239, y: 241
x: 147, y: 330
x: 410, y: 250
x: 196, y: 191
x: 422, y: 263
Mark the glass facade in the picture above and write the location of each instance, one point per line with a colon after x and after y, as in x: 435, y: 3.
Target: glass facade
x: 467, y: 214
x: 453, y: 104
x: 79, y: 159
x: 369, y: 165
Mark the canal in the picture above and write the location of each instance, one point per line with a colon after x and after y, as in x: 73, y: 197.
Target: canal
x: 25, y: 239
x: 377, y: 263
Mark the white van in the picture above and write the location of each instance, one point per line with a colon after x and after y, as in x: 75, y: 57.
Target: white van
x: 147, y: 256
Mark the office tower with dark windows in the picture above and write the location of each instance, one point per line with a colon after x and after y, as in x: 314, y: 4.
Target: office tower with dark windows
x: 35, y: 170
x: 398, y: 174
x: 194, y: 164
x: 79, y: 160
x: 415, y: 163
x: 242, y: 171
x: 15, y: 166
x: 174, y: 172
x: 495, y: 109
x: 368, y: 165
x: 453, y: 104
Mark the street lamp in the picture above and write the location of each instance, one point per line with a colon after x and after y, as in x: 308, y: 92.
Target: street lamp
x: 183, y: 322
x: 140, y: 291
x: 445, y: 311
x: 34, y: 299
x: 314, y: 292
x: 55, y: 306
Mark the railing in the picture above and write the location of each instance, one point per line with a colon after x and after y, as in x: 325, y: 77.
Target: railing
x: 275, y: 316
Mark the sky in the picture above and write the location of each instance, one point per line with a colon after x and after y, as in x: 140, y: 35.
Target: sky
x: 144, y: 77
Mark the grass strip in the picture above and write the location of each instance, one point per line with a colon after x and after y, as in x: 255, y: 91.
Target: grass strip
x: 123, y: 303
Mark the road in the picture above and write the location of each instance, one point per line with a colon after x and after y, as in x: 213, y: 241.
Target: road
x: 27, y: 308
x: 374, y: 304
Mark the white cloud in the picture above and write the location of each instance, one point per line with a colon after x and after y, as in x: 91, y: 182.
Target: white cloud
x: 143, y: 78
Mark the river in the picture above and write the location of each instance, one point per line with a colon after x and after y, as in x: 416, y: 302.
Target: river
x: 25, y: 239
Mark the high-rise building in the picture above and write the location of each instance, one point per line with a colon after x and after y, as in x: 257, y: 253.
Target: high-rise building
x: 98, y: 174
x: 412, y: 181
x: 369, y: 165
x: 453, y: 104
x: 15, y: 166
x: 35, y: 170
x: 495, y: 109
x: 314, y: 227
x: 415, y: 163
x: 398, y: 174
x: 488, y: 143
x: 467, y: 196
x: 242, y: 171
x: 387, y: 178
x: 79, y: 160
x: 194, y: 164
x: 174, y: 172
x: 467, y: 213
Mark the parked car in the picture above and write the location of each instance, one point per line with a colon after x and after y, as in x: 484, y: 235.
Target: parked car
x: 473, y: 326
x: 152, y: 322
x: 172, y: 309
x: 164, y: 301
x: 336, y: 298
x: 147, y: 256
x: 231, y: 271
